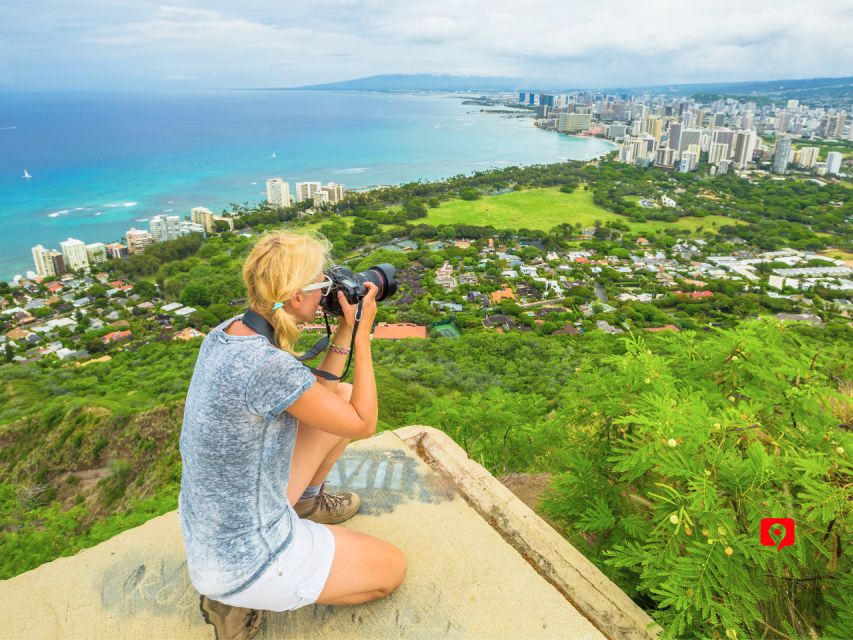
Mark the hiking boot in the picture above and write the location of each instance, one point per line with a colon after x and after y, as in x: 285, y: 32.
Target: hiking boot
x: 328, y: 508
x: 231, y: 623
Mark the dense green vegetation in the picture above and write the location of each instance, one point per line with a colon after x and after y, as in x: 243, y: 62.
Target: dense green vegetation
x: 667, y: 449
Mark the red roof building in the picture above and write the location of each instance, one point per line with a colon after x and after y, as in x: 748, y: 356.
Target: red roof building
x: 116, y: 336
x: 696, y: 295
x: 385, y: 331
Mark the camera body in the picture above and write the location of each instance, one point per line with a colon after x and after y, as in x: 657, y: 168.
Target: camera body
x: 353, y: 285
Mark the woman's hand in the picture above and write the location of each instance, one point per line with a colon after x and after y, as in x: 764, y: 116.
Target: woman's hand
x: 368, y: 310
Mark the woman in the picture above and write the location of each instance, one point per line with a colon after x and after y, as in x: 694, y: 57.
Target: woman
x: 260, y: 434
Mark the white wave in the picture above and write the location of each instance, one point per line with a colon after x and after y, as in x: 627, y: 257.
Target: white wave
x: 7, y: 128
x: 168, y: 210
x: 490, y: 163
x: 254, y: 183
x: 130, y: 204
x: 143, y: 219
x: 80, y: 208
x: 353, y: 170
x: 171, y: 202
x: 111, y: 206
x: 56, y: 214
x: 97, y: 213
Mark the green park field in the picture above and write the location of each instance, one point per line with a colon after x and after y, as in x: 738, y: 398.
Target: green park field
x: 545, y: 208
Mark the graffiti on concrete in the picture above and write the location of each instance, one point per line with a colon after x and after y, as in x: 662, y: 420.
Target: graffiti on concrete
x: 159, y: 586
x: 385, y: 478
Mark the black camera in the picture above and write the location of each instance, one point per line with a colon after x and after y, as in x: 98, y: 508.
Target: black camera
x: 352, y: 285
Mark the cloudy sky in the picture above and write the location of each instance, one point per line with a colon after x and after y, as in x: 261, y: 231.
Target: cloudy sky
x: 190, y: 44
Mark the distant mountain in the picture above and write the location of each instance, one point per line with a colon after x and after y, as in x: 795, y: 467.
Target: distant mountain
x: 421, y: 82
x: 443, y: 82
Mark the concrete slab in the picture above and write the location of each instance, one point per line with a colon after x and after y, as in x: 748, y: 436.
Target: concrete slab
x: 465, y: 579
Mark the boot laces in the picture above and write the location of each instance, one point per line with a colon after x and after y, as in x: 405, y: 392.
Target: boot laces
x: 331, y: 502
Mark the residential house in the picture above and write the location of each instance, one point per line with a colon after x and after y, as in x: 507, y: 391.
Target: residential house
x: 502, y: 294
x: 188, y: 334
x: 116, y: 336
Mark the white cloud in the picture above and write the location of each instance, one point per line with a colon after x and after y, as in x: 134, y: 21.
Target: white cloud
x: 263, y: 43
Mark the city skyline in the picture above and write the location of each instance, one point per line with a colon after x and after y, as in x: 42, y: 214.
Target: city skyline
x: 186, y: 46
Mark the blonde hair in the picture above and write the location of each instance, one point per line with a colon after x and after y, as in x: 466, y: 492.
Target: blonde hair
x: 280, y: 264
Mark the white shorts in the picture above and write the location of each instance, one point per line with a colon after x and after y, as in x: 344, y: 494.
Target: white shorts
x: 297, y: 576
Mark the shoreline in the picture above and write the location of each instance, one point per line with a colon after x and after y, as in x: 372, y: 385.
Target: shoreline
x: 91, y: 196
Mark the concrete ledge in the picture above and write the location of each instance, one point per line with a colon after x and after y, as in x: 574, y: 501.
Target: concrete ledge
x: 505, y: 575
x: 592, y: 593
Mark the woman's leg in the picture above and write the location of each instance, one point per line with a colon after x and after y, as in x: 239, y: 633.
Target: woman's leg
x: 364, y: 568
x: 314, y: 453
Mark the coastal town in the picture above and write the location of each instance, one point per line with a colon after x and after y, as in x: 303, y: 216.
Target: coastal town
x: 501, y: 284
x: 609, y: 276
x: 726, y: 134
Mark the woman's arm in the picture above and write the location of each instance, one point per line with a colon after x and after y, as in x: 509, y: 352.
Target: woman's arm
x: 323, y: 409
x: 333, y: 362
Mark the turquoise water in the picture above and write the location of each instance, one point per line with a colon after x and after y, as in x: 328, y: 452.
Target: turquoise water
x: 101, y: 163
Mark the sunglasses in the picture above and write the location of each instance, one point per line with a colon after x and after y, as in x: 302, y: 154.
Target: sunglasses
x: 325, y: 286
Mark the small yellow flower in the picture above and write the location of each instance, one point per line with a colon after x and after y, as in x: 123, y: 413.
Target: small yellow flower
x: 717, y: 426
x: 731, y: 633
x: 648, y: 381
x: 721, y: 531
x: 671, y: 442
x: 706, y: 533
x: 840, y: 451
x: 673, y: 519
x: 731, y: 398
x: 688, y: 531
x: 729, y: 551
x: 734, y: 358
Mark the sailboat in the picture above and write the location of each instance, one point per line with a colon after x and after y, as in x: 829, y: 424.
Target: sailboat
x: 273, y: 155
x: 26, y: 175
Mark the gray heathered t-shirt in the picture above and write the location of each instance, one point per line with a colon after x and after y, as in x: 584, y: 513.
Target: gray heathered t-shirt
x: 236, y: 445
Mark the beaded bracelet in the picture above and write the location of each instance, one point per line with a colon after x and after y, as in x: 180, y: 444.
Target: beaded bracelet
x: 336, y: 349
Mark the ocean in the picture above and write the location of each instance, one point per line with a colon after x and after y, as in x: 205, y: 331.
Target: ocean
x: 102, y: 163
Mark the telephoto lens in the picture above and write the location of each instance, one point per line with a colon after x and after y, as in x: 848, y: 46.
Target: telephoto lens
x: 352, y: 285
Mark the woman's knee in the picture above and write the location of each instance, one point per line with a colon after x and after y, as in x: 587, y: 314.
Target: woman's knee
x: 398, y: 566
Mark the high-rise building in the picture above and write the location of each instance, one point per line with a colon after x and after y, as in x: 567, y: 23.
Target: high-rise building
x: 654, y: 127
x: 278, y: 192
x: 782, y: 155
x: 116, y: 250
x: 137, y: 240
x: 833, y: 162
x: 674, y: 140
x: 521, y: 97
x: 723, y: 167
x: 744, y: 147
x: 305, y: 190
x: 164, y: 228
x: 793, y: 104
x: 205, y: 217
x: 74, y: 252
x: 187, y: 227
x: 718, y: 120
x: 43, y: 261
x: 718, y: 151
x: 96, y: 252
x: 337, y: 191
x: 321, y: 198
x: 689, y: 161
x: 665, y: 157
x: 690, y: 137
x: 571, y: 122
x: 808, y: 157
x: 58, y: 261
x: 615, y: 131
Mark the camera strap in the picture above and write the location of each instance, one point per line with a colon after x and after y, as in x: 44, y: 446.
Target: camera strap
x: 257, y: 323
